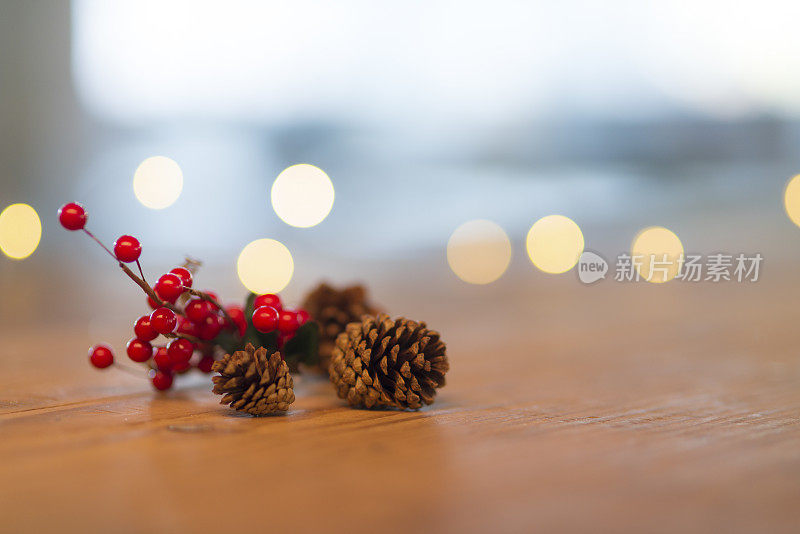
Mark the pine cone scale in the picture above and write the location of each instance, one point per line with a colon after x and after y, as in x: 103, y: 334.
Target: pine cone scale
x: 381, y: 362
x: 252, y: 381
x: 334, y: 310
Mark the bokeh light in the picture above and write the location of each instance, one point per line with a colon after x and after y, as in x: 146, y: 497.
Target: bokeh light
x: 302, y: 195
x: 20, y: 231
x: 656, y: 253
x: 791, y: 199
x: 265, y: 266
x: 479, y: 251
x: 158, y: 182
x: 555, y: 244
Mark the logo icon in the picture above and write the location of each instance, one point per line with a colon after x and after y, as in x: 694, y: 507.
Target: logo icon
x: 591, y: 267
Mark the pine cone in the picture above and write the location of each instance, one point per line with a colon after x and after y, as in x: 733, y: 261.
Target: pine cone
x: 333, y: 309
x: 252, y: 382
x: 380, y: 363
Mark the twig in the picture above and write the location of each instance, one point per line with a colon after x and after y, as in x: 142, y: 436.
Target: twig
x: 129, y: 370
x: 149, y: 290
x: 90, y: 234
x: 187, y: 337
x: 139, y: 265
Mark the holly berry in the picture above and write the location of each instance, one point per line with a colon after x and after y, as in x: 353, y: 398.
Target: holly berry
x: 269, y: 299
x: 139, y: 351
x: 163, y: 320
x: 205, y: 364
x: 143, y: 329
x: 237, y: 314
x: 127, y: 249
x: 161, y: 359
x: 288, y: 322
x: 197, y: 310
x: 101, y: 355
x: 187, y: 327
x: 180, y: 351
x: 184, y: 274
x: 162, y: 381
x: 169, y: 287
x: 151, y: 303
x: 181, y: 367
x: 72, y: 216
x: 214, y: 296
x: 303, y: 317
x: 265, y: 319
x: 211, y: 327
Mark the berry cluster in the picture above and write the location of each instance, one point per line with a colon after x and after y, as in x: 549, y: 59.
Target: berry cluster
x: 186, y: 327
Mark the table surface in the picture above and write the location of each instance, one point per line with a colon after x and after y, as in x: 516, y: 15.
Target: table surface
x: 616, y: 407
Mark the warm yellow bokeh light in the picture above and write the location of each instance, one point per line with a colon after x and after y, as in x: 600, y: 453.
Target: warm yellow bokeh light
x: 479, y: 251
x: 265, y: 266
x: 302, y: 195
x: 555, y: 244
x: 791, y: 199
x: 656, y: 254
x: 20, y: 231
x: 158, y: 182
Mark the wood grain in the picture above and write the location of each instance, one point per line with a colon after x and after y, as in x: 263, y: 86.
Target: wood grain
x: 622, y: 408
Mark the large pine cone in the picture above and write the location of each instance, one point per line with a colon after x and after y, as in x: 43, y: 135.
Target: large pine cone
x: 382, y: 363
x: 333, y: 309
x: 254, y: 383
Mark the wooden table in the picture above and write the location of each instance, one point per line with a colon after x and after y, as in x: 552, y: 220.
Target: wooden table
x: 616, y: 407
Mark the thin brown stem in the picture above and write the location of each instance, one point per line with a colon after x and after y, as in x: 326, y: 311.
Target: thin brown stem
x: 90, y: 234
x: 149, y: 290
x: 187, y: 337
x: 139, y: 265
x: 130, y: 371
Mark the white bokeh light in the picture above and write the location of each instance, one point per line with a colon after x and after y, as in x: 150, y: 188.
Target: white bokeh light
x: 158, y: 182
x: 265, y: 266
x: 479, y: 251
x: 302, y: 195
x: 20, y: 231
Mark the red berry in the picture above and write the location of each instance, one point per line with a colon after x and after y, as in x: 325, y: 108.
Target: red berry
x: 237, y: 314
x: 181, y: 368
x: 161, y: 359
x: 265, y: 319
x: 143, y: 329
x: 288, y: 322
x: 205, y: 364
x: 163, y: 320
x: 184, y: 274
x: 127, y: 249
x: 211, y: 327
x: 303, y: 317
x: 101, y: 356
x: 197, y: 310
x: 161, y: 381
x: 169, y: 287
x: 72, y: 216
x: 180, y: 351
x: 139, y: 351
x: 268, y: 300
x: 187, y: 327
x: 151, y: 303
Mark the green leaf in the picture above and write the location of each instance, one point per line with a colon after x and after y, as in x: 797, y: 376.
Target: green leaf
x: 304, y: 346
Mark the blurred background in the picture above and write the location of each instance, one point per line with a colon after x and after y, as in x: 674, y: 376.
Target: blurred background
x: 424, y: 115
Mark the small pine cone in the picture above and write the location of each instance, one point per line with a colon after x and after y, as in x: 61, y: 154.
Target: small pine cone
x: 253, y: 382
x: 383, y: 363
x: 333, y: 309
